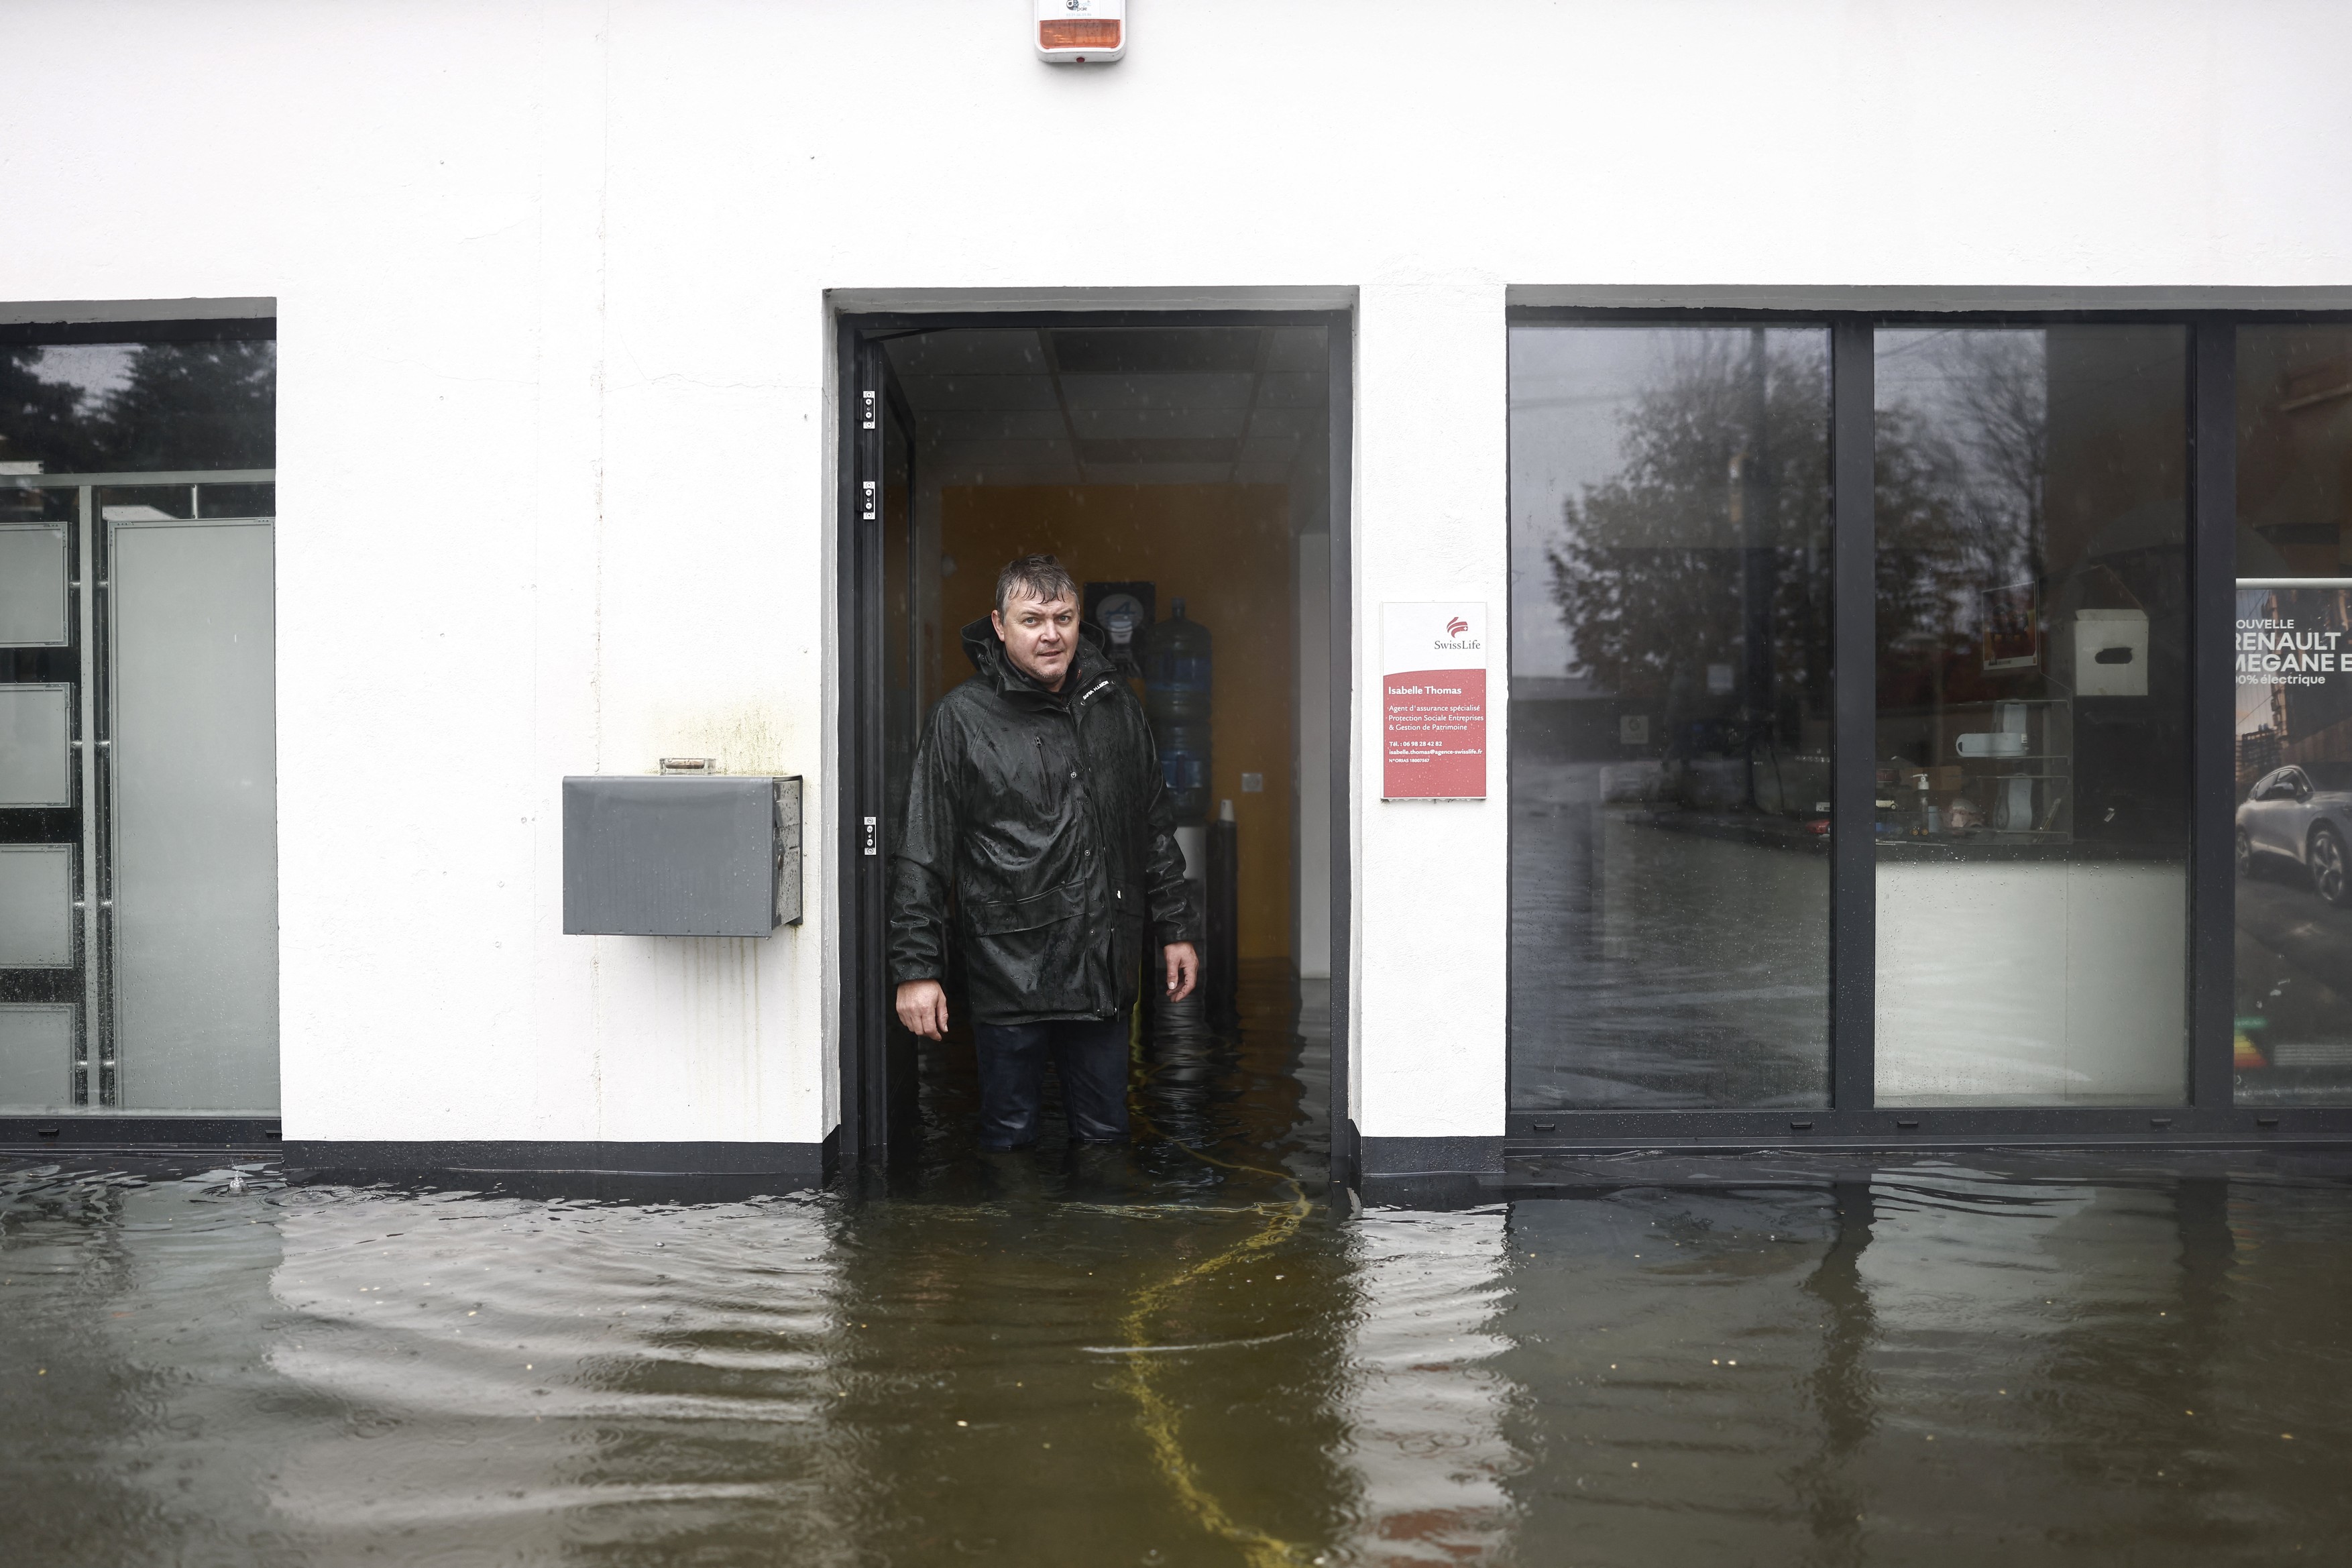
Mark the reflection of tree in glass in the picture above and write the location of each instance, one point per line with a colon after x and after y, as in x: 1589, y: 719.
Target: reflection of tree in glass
x: 1928, y: 558
x: 40, y: 421
x: 1724, y: 492
x: 181, y: 406
x: 1961, y: 471
x: 197, y: 406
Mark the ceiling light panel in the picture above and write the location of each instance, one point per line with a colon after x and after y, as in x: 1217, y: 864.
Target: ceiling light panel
x: 1157, y: 391
x: 1145, y: 351
x: 992, y: 425
x: 1298, y: 349
x: 1290, y: 424
x: 1116, y: 424
x: 1160, y: 449
x: 929, y: 391
x: 1290, y: 389
x: 986, y: 350
x: 1257, y: 451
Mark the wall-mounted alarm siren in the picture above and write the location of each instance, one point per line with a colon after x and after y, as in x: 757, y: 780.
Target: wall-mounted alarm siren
x: 1081, y: 32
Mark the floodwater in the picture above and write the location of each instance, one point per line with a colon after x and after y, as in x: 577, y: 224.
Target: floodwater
x: 1178, y: 1358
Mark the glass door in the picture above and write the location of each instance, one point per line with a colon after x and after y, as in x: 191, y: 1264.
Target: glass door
x: 2031, y: 762
x: 1670, y: 717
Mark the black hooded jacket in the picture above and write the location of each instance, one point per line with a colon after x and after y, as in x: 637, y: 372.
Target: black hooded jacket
x: 1045, y: 815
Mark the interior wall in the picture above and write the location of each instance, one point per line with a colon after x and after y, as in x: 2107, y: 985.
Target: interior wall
x: 1311, y: 741
x: 1310, y: 517
x: 1225, y: 550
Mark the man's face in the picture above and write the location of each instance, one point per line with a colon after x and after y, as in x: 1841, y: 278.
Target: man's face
x: 1041, y: 638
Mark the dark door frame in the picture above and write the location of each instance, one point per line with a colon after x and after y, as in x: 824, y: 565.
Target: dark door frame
x: 862, y: 1045
x: 1852, y: 1119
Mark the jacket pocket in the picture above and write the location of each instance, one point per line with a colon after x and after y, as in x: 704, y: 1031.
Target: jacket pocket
x: 1032, y: 913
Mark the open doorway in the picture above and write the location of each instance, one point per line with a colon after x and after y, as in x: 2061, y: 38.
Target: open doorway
x: 1183, y: 468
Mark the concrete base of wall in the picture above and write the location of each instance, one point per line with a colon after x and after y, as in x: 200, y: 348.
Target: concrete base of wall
x: 1427, y: 1173
x: 685, y: 1172
x: 107, y: 1132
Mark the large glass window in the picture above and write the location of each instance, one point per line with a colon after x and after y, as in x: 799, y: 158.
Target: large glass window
x: 2032, y: 739
x: 1690, y: 900
x: 84, y: 408
x: 1669, y: 717
x: 2293, y: 818
x: 138, y: 815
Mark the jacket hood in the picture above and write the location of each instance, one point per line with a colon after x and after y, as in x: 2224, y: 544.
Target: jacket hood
x: 986, y: 651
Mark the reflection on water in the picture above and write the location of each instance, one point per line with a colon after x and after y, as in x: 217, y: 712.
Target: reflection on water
x: 1176, y: 1361
x: 1667, y: 965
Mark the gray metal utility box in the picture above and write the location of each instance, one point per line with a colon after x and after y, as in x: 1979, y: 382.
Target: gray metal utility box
x: 664, y: 856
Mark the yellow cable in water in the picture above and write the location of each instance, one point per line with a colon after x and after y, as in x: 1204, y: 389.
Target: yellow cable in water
x: 1155, y: 1416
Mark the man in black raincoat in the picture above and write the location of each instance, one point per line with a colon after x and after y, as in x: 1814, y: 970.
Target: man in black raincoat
x: 1037, y: 802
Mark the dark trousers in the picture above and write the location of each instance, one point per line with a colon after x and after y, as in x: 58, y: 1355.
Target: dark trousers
x: 1089, y: 1056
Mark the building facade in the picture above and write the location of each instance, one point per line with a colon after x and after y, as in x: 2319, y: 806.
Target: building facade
x: 1897, y: 458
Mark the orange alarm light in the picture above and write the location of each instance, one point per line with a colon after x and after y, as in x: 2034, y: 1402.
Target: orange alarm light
x: 1065, y: 34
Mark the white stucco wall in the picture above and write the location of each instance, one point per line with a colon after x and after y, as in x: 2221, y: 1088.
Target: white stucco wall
x: 555, y: 436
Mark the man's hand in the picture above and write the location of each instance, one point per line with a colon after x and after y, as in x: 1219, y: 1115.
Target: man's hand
x: 1183, y: 971
x: 923, y: 1008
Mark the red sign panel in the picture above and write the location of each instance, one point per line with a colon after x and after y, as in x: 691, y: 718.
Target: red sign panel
x: 1433, y: 701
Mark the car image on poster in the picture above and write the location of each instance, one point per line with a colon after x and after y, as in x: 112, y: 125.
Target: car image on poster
x: 2293, y: 837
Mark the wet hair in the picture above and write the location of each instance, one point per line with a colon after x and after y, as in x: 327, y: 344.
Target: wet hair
x: 1039, y: 577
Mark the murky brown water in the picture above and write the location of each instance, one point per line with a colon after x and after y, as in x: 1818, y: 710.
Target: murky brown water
x: 1168, y: 1360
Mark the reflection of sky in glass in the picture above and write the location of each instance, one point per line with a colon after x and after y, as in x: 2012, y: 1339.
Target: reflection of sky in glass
x: 1914, y: 368
x: 1568, y: 384
x: 1571, y: 385
x: 95, y: 368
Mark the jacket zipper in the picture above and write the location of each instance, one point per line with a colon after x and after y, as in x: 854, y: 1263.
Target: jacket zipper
x: 1119, y: 897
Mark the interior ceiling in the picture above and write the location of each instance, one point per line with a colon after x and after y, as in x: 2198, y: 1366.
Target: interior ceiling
x: 1024, y: 405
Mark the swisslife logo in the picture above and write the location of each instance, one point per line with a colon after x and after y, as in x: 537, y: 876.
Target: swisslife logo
x: 1454, y: 639
x: 1446, y: 635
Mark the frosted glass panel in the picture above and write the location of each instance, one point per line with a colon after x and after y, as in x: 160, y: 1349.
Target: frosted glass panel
x: 36, y: 745
x: 2031, y: 984
x: 32, y: 587
x: 35, y: 1055
x: 195, y: 807
x: 36, y: 906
